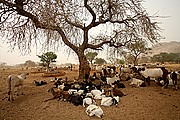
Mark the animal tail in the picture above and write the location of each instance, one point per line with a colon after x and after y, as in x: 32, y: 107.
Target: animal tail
x: 9, y: 85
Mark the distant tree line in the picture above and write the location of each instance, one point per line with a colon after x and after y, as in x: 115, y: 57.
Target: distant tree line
x: 167, y: 57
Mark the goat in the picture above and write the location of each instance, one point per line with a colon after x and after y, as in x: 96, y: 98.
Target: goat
x: 39, y: 83
x: 76, y: 100
x: 97, y: 94
x: 66, y: 96
x: 113, y: 79
x: 92, y: 110
x: 88, y: 101
x: 108, y: 101
x: 56, y: 94
x: 15, y: 81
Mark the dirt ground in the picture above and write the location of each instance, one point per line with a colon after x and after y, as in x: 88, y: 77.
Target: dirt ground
x: 146, y: 103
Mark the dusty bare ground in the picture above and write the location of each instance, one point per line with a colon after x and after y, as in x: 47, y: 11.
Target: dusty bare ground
x: 147, y: 103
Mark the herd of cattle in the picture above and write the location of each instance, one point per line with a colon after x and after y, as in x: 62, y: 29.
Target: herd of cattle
x: 141, y: 75
x: 105, y: 85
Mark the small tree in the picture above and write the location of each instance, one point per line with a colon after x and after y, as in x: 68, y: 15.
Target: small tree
x: 162, y: 57
x: 100, y: 61
x: 135, y: 49
x: 90, y: 56
x: 47, y: 58
x: 2, y: 64
x: 30, y: 63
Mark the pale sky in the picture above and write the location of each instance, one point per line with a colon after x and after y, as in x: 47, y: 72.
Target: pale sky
x: 171, y: 26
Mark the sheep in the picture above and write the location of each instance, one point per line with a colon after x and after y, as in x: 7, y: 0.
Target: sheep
x: 15, y: 81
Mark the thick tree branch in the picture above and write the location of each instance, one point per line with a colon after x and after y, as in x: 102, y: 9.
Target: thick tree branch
x: 98, y: 46
x: 90, y: 10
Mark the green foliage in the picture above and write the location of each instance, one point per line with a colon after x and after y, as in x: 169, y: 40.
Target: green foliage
x: 135, y: 49
x: 165, y: 57
x: 47, y: 58
x: 100, y: 61
x: 90, y: 56
x: 120, y: 61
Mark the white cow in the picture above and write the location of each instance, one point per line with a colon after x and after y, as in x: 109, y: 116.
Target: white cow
x: 15, y: 81
x: 92, y: 110
x: 152, y: 73
x: 136, y: 82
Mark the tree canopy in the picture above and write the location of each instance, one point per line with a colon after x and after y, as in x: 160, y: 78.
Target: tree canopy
x: 100, y: 61
x: 167, y: 57
x: 134, y: 50
x: 47, y: 58
x: 91, y: 56
x: 30, y: 63
x: 79, y: 24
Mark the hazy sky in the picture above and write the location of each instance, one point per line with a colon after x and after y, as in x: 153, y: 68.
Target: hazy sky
x: 171, y: 26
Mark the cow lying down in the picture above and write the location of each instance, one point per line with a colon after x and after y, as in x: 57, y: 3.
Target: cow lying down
x: 93, y: 110
x: 137, y: 82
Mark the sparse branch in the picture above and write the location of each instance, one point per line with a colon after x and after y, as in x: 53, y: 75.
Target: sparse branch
x: 73, y: 24
x: 38, y: 24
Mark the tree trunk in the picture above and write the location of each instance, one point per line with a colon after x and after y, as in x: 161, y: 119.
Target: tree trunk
x: 135, y: 61
x: 48, y: 67
x: 84, y: 68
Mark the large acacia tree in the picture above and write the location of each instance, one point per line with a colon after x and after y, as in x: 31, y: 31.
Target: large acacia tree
x: 72, y: 22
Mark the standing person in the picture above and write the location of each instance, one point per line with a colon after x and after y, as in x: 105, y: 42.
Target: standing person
x: 165, y: 77
x: 71, y: 67
x: 174, y: 79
